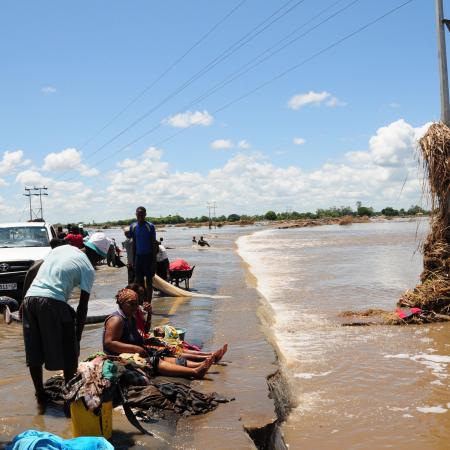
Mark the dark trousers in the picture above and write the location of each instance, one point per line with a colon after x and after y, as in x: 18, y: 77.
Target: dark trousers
x: 131, y: 275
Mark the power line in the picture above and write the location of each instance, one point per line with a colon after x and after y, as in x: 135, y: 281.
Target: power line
x: 275, y: 78
x: 165, y: 72
x: 236, y: 74
x: 224, y: 55
x: 240, y: 72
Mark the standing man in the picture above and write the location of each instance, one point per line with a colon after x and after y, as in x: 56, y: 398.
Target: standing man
x: 143, y: 237
x: 51, y: 328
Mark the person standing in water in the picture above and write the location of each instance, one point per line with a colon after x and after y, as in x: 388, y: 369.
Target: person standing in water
x: 144, y: 244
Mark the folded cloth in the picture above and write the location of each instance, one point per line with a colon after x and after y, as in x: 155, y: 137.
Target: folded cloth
x: 40, y: 440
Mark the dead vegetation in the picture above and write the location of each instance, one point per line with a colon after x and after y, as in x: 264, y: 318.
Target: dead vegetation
x: 433, y: 294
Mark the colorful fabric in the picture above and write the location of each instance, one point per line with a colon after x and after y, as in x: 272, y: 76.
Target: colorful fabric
x: 41, y: 440
x: 99, y: 243
x: 126, y: 295
x: 179, y: 264
x: 110, y: 370
x: 64, y: 268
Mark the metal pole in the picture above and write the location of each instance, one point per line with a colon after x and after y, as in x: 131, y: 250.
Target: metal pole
x: 442, y: 54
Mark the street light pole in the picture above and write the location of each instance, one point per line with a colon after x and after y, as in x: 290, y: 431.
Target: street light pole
x: 442, y: 55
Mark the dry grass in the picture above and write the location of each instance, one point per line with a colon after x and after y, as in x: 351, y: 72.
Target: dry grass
x: 433, y: 294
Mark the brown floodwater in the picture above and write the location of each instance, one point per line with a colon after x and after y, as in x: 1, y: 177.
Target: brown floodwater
x: 352, y: 387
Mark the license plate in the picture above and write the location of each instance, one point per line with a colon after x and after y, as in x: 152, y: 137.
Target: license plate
x: 8, y: 286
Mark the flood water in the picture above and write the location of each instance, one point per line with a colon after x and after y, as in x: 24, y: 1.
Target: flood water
x: 353, y: 387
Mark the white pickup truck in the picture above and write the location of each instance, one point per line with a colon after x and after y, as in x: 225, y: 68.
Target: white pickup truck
x: 21, y: 244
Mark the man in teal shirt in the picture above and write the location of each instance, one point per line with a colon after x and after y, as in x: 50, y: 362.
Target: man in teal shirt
x: 51, y: 328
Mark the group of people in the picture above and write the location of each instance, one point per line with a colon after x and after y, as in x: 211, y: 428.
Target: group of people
x: 53, y: 329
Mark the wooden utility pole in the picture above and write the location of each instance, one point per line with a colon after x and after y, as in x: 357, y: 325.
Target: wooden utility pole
x: 442, y: 55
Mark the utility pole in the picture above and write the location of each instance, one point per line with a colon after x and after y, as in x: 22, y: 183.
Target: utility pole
x: 210, y: 206
x: 41, y: 210
x: 442, y: 55
x: 28, y: 194
x: 37, y: 192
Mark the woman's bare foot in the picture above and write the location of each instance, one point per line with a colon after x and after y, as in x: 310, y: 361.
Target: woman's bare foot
x: 202, y: 369
x: 219, y: 354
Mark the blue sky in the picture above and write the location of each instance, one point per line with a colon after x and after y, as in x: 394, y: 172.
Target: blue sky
x: 68, y: 68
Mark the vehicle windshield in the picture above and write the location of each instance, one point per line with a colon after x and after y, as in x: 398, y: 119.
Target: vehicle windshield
x: 24, y: 237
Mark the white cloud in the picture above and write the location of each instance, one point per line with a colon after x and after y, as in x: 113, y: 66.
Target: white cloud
x: 46, y: 90
x: 244, y: 144
x: 189, y: 118
x: 221, y: 144
x: 395, y: 105
x: 298, y: 141
x: 68, y: 159
x: 10, y: 161
x: 248, y: 182
x: 314, y: 98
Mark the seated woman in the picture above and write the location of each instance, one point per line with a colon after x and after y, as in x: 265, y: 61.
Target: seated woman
x: 120, y: 335
x: 158, y: 343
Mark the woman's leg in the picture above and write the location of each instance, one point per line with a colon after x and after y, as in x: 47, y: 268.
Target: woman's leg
x: 191, y: 364
x: 172, y: 370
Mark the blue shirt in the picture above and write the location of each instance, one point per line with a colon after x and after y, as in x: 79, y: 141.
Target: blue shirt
x: 144, y: 236
x: 65, y: 268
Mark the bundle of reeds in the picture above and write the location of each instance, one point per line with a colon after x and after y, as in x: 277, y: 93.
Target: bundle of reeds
x: 433, y: 293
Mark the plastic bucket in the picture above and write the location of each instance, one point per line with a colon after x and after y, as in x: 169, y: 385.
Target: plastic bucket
x: 181, y: 333
x: 86, y: 423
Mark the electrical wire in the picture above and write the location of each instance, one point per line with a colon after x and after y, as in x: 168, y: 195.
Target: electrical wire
x: 258, y: 29
x: 164, y: 73
x: 270, y: 80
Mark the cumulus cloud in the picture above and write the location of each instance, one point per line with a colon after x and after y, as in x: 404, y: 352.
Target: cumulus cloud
x: 66, y: 196
x: 314, y: 98
x: 392, y: 146
x: 189, y: 119
x: 46, y: 90
x: 220, y: 144
x: 248, y: 182
x: 298, y: 141
x: 68, y: 159
x: 10, y: 161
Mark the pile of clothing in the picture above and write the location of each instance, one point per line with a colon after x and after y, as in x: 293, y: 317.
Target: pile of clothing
x: 98, y: 377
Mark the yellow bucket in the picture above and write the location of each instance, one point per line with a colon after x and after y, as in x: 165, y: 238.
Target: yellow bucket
x: 86, y: 423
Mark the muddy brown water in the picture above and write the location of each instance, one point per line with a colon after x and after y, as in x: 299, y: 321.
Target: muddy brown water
x: 358, y: 387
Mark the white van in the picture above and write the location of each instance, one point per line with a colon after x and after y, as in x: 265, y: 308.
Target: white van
x: 21, y: 244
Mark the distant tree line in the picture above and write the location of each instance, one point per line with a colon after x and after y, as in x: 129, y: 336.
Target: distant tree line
x: 333, y: 212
